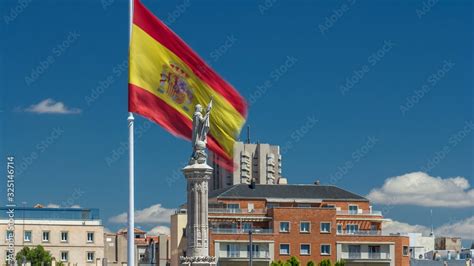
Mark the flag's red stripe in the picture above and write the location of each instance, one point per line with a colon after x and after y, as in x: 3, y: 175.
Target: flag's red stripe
x: 144, y: 19
x: 142, y: 102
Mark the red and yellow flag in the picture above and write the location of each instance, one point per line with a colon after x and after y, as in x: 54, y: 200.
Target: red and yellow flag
x: 167, y: 79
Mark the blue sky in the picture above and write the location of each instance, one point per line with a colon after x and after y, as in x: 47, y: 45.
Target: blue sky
x: 389, y: 83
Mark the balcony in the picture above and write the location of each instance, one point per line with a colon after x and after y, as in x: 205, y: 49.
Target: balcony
x: 237, y: 211
x: 62, y: 214
x: 360, y: 233
x: 245, y: 255
x: 365, y: 256
x: 359, y: 212
x: 241, y: 231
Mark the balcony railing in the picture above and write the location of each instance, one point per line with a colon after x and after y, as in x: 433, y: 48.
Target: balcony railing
x: 365, y: 256
x: 240, y: 231
x: 360, y: 233
x: 241, y: 211
x: 245, y: 254
x: 363, y: 212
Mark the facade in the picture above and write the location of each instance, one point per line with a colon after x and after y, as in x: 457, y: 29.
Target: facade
x: 311, y: 222
x: 420, y: 245
x: 448, y: 243
x: 149, y: 250
x: 260, y: 162
x: 71, y: 235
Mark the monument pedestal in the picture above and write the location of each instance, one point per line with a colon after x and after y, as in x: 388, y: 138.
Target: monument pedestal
x: 197, y: 228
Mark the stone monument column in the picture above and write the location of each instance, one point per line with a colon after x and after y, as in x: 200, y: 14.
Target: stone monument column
x: 197, y: 174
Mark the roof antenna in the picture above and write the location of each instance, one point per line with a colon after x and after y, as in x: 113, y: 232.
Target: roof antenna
x: 432, y: 230
x: 248, y: 134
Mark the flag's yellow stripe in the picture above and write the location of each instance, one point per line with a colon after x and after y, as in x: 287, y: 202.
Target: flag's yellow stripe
x: 149, y: 58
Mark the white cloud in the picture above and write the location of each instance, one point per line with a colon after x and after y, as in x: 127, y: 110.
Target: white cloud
x: 421, y: 189
x: 54, y: 205
x: 462, y: 228
x: 159, y: 230
x: 400, y: 227
x: 456, y: 228
x: 50, y: 106
x: 153, y: 214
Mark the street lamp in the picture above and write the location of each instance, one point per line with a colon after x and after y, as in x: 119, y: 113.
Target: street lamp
x: 251, y: 231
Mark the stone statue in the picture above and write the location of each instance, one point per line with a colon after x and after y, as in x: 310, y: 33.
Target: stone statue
x: 201, y: 127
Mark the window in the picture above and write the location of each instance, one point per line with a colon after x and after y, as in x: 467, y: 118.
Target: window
x: 64, y: 236
x: 284, y: 226
x: 352, y: 228
x: 374, y: 252
x: 339, y: 228
x: 305, y: 227
x: 354, y: 252
x: 27, y: 236
x: 45, y: 236
x: 353, y: 209
x: 232, y: 251
x: 247, y: 227
x: 184, y: 232
x: 9, y: 234
x: 255, y: 251
x: 325, y: 249
x: 64, y: 256
x: 304, y: 205
x: 233, y: 207
x: 405, y: 250
x: 325, y: 227
x: 284, y: 249
x: 90, y: 256
x: 272, y: 205
x: 305, y: 249
x: 90, y: 237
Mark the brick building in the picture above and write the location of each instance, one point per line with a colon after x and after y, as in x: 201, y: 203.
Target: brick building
x: 311, y: 222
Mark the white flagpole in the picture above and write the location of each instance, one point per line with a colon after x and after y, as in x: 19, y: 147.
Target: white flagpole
x: 131, y: 173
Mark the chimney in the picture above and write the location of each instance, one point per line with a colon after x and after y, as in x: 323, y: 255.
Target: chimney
x: 252, y: 183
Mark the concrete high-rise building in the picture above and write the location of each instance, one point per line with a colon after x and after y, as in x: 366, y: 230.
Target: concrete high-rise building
x: 258, y: 161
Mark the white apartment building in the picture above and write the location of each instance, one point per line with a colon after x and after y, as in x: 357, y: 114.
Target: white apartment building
x: 258, y: 161
x: 74, y: 236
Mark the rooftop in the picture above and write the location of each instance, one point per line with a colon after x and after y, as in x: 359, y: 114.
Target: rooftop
x: 61, y: 214
x: 305, y: 192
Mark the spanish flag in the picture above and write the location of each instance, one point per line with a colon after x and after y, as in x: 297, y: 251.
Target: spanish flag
x: 167, y: 79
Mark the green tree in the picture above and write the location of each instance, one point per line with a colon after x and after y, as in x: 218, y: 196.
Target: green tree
x: 37, y: 256
x: 310, y: 263
x: 277, y: 263
x: 340, y: 263
x: 325, y: 263
x: 293, y: 261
